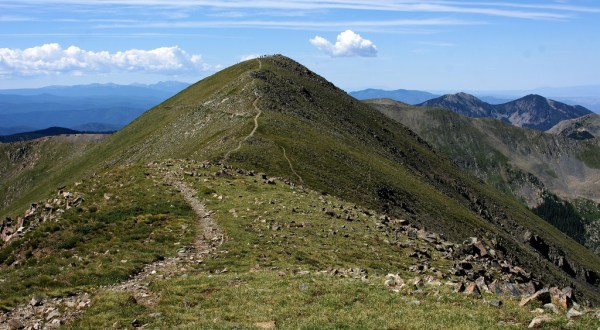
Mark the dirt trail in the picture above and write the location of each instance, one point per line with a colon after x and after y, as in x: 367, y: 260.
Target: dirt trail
x: 53, y: 313
x: 209, y: 238
x: 258, y: 113
x: 292, y: 167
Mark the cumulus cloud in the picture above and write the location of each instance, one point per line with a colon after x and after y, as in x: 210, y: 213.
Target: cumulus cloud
x: 248, y: 57
x: 348, y: 44
x: 51, y: 59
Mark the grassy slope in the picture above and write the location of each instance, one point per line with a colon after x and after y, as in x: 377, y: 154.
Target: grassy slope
x: 125, y: 221
x: 335, y: 144
x: 358, y: 147
x: 280, y: 252
x: 151, y: 136
x: 24, y: 165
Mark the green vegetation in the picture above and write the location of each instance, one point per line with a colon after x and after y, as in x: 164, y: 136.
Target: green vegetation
x: 313, y: 301
x: 501, y: 155
x: 25, y: 165
x: 591, y: 156
x: 562, y: 215
x: 125, y: 222
x: 348, y: 157
x: 278, y: 266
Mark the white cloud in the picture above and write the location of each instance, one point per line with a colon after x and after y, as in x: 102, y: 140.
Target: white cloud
x: 248, y: 57
x: 52, y: 59
x: 348, y: 44
x: 523, y: 10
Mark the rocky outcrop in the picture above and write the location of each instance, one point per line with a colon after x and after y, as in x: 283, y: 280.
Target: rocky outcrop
x: 49, y: 210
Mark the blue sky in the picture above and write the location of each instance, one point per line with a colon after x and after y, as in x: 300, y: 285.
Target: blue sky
x: 427, y: 45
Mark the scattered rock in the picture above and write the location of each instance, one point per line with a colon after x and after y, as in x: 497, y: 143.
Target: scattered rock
x: 480, y: 249
x: 53, y: 315
x: 539, y: 321
x: 551, y: 308
x: 265, y: 325
x: 573, y: 313
x: 36, y: 301
x: 15, y: 324
x: 472, y: 289
x: 495, y: 302
x: 136, y: 323
x: 542, y: 296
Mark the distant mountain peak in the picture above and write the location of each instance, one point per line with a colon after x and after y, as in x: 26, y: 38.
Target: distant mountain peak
x: 531, y: 111
x: 462, y: 103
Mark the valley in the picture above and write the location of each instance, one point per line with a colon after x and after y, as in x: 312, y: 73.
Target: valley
x: 534, y: 167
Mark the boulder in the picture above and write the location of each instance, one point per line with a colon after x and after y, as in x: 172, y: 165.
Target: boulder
x: 512, y: 289
x: 36, y: 301
x: 562, y: 298
x: 551, y: 308
x: 495, y: 288
x: 480, y: 281
x: 472, y: 289
x: 539, y: 321
x: 15, y: 324
x: 573, y: 313
x: 495, y: 303
x: 542, y: 296
x: 480, y: 249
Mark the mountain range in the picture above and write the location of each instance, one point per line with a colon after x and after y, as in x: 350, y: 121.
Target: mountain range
x: 531, y: 111
x: 264, y: 196
x: 403, y: 95
x: 586, y: 96
x: 96, y: 107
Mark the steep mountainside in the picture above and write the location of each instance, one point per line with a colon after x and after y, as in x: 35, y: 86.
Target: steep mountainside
x: 582, y: 128
x: 525, y: 163
x: 297, y: 172
x: 29, y: 164
x: 531, y: 111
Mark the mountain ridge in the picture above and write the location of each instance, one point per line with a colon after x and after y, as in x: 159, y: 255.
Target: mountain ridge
x: 524, y: 163
x: 403, y: 95
x: 531, y: 111
x: 267, y: 126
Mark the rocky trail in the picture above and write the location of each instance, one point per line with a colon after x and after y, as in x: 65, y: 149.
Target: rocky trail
x: 51, y: 313
x: 258, y: 113
x: 475, y: 268
x: 292, y: 167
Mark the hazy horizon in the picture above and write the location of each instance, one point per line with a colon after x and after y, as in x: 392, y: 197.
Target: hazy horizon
x: 422, y: 45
